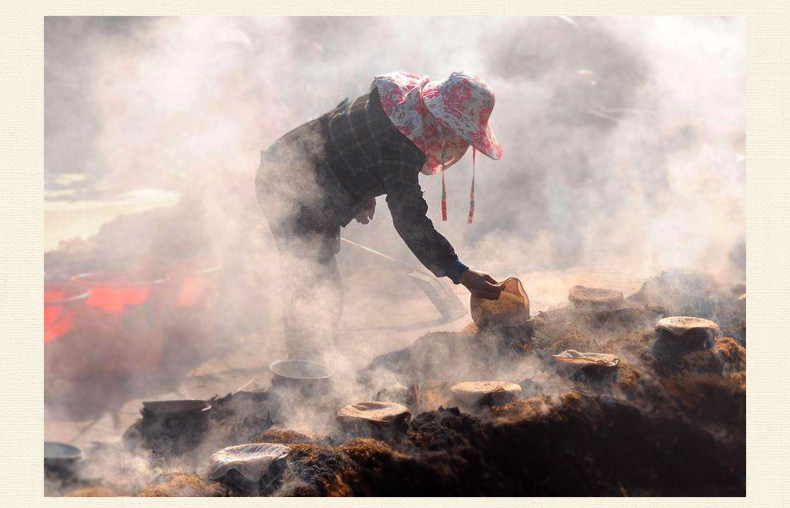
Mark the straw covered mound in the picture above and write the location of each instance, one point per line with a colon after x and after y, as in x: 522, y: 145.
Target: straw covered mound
x: 664, y: 422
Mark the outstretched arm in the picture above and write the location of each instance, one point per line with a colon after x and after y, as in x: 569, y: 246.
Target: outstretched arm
x: 409, y: 209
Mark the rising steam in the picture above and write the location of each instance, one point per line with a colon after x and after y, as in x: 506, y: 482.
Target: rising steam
x: 622, y: 136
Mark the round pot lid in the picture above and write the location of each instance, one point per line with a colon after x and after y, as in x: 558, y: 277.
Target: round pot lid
x: 374, y: 411
x: 574, y: 357
x: 681, y: 325
x: 300, y: 369
x: 60, y: 452
x: 478, y: 392
x: 251, y: 460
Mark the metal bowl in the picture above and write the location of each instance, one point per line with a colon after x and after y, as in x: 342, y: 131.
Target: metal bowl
x: 309, y: 377
x: 175, y: 406
x: 299, y: 369
x: 60, y: 457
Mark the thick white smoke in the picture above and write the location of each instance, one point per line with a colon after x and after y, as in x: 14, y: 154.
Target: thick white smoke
x: 621, y: 135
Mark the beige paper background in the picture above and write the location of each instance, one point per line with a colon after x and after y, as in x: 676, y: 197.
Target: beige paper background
x: 21, y: 231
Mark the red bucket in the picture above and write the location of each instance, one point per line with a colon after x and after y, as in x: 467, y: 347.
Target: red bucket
x: 191, y: 318
x: 123, y: 317
x: 112, y: 292
x: 61, y: 304
x: 198, y: 279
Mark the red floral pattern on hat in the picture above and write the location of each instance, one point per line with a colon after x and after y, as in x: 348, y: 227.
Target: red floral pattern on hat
x: 464, y: 102
x: 438, y: 118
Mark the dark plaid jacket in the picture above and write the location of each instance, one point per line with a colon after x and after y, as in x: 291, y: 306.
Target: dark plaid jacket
x: 366, y: 157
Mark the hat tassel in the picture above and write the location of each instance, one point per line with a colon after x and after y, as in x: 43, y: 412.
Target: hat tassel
x: 444, y: 188
x: 471, y: 218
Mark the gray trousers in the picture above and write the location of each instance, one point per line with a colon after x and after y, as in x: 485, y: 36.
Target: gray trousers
x: 310, y: 288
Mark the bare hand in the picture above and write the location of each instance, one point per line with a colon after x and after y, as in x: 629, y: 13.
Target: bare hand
x: 366, y: 215
x: 481, y: 284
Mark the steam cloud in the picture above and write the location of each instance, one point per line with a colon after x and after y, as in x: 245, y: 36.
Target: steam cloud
x: 624, y: 137
x: 621, y: 135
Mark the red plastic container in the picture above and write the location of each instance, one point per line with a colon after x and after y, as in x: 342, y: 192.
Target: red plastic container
x: 124, y: 319
x: 62, y: 302
x: 198, y: 281
x: 191, y: 316
x: 112, y: 292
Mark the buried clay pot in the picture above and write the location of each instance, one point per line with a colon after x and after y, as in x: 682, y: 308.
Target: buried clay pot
x: 592, y: 367
x: 378, y: 413
x: 688, y: 331
x: 170, y: 427
x: 490, y: 393
x: 595, y: 299
x: 510, y: 309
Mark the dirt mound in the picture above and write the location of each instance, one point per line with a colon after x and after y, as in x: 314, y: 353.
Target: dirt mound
x: 580, y: 446
x: 624, y: 450
x: 715, y: 400
x: 378, y: 470
x: 440, y: 429
x: 315, y: 470
x: 666, y: 420
x: 524, y: 409
x: 732, y: 354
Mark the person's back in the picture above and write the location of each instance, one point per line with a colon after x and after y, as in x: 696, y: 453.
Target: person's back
x: 366, y: 153
x: 318, y: 177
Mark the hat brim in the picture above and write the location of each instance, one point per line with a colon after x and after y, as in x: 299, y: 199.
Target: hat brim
x: 489, y: 144
x: 484, y: 141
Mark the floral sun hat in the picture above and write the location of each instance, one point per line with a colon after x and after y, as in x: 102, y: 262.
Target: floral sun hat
x: 464, y: 103
x: 442, y: 119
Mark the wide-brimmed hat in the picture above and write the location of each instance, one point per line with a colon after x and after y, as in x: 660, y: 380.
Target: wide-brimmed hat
x: 464, y: 103
x: 441, y: 118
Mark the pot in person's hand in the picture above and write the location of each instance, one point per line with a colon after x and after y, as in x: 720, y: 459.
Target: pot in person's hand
x: 510, y: 309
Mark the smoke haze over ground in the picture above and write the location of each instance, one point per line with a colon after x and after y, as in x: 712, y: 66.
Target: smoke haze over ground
x: 624, y: 154
x: 622, y: 136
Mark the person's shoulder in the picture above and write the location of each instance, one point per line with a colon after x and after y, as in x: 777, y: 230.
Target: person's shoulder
x: 388, y: 136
